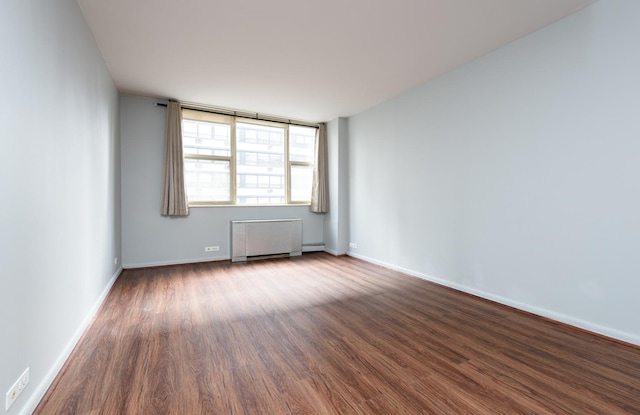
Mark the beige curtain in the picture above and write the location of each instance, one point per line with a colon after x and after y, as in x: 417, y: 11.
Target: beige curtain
x: 174, y: 196
x: 320, y: 189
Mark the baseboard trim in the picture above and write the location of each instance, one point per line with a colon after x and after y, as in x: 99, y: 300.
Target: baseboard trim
x: 305, y: 248
x: 591, y: 328
x: 46, y: 383
x: 313, y: 247
x: 175, y: 262
x: 334, y: 252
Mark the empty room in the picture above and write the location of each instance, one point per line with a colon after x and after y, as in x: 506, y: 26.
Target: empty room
x: 290, y: 207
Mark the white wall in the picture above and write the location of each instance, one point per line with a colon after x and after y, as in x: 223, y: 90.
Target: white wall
x: 150, y: 239
x: 60, y: 188
x: 336, y: 221
x: 517, y: 176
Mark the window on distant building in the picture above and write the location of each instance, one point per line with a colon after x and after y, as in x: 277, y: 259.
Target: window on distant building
x: 239, y: 161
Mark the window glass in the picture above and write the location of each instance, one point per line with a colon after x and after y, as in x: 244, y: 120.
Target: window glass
x: 207, y: 180
x: 260, y: 154
x: 202, y: 137
x: 301, y: 182
x: 302, y: 143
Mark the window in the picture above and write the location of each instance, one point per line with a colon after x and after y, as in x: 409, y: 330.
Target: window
x: 260, y: 158
x: 302, y: 154
x: 231, y: 160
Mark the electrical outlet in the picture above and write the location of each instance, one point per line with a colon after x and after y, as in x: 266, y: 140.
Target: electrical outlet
x: 17, y: 389
x: 211, y: 248
x: 115, y: 261
x: 353, y: 245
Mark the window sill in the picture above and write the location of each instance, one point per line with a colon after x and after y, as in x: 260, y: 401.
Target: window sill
x: 248, y: 206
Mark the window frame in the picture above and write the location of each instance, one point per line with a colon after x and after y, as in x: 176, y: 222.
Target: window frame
x: 232, y: 120
x: 291, y: 164
x: 197, y: 115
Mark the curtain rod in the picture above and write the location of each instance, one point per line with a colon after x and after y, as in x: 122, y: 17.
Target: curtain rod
x: 247, y: 115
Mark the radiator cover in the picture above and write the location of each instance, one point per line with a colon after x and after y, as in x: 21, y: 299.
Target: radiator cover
x: 254, y: 238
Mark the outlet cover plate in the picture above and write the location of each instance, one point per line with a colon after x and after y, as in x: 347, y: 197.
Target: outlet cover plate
x: 16, y: 389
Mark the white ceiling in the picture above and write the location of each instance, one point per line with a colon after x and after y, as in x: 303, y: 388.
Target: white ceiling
x: 302, y: 59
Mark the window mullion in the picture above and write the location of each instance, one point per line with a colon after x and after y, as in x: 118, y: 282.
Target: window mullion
x: 301, y: 163
x: 206, y: 157
x: 232, y: 163
x: 287, y: 170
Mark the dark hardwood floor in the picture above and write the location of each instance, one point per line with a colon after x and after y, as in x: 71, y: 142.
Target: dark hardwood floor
x: 325, y: 335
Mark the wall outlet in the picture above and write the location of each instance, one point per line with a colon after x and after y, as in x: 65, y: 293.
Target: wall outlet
x: 115, y: 261
x: 353, y: 245
x: 211, y: 248
x: 17, y: 389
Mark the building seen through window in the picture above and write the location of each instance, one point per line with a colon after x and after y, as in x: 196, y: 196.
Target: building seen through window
x: 246, y: 162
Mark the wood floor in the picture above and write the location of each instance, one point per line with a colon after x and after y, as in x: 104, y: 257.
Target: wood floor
x: 325, y: 335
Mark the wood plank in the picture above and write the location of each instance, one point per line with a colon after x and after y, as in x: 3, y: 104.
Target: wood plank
x: 320, y: 334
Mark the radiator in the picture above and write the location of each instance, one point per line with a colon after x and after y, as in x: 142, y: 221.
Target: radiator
x: 257, y: 238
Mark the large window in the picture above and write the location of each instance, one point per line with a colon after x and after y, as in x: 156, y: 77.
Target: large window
x: 231, y: 160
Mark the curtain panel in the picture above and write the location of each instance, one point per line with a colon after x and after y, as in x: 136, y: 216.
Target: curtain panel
x: 320, y: 189
x: 174, y: 195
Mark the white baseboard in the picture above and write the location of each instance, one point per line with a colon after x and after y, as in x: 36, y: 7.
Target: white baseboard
x: 334, y: 252
x: 305, y: 248
x: 175, y: 262
x: 313, y: 248
x: 48, y: 379
x: 562, y: 318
